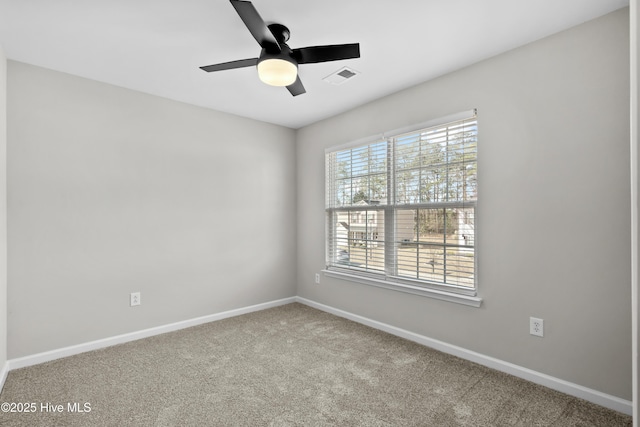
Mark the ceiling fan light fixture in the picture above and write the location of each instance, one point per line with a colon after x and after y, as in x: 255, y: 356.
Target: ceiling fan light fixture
x: 277, y: 72
x: 278, y: 63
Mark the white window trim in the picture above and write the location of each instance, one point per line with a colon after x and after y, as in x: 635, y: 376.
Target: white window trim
x: 406, y: 129
x: 464, y: 298
x: 439, y: 294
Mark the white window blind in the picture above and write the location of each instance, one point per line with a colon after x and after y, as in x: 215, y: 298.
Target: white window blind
x: 402, y: 208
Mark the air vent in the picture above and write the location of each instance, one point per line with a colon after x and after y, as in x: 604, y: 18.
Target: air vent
x: 341, y: 76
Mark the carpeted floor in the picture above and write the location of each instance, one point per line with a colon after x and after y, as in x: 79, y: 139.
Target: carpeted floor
x: 287, y: 366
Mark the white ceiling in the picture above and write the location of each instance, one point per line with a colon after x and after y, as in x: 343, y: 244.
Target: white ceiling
x: 156, y: 46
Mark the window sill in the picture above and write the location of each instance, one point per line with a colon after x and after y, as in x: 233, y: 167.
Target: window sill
x: 468, y: 300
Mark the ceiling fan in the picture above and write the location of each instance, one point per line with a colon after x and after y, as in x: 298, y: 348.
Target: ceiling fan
x: 278, y: 63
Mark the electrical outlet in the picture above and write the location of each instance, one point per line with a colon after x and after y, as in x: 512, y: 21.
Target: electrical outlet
x: 317, y: 277
x: 135, y: 299
x: 536, y: 327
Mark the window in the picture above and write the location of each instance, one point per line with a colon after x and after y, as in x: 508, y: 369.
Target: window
x: 401, y: 208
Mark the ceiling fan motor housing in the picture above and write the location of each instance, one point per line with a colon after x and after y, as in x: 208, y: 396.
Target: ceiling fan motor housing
x: 280, y: 32
x: 285, y: 53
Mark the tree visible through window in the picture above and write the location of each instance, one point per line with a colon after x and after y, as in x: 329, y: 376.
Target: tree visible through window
x: 403, y: 208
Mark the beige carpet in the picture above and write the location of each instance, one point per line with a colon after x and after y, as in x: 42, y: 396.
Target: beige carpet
x: 288, y: 366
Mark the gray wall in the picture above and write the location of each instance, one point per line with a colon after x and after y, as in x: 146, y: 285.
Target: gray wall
x: 553, y: 214
x: 3, y: 209
x: 112, y: 191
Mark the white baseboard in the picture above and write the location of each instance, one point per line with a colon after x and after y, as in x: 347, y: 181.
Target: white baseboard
x: 47, y: 356
x: 594, y: 396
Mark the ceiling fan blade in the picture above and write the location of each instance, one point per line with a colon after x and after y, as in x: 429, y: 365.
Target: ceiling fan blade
x: 313, y: 54
x: 256, y: 25
x: 296, y: 88
x: 230, y: 65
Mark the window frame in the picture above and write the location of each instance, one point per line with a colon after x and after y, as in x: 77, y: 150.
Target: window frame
x: 447, y: 292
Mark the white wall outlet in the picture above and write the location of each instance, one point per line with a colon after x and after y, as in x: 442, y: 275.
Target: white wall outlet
x: 536, y: 326
x: 135, y: 299
x: 317, y: 278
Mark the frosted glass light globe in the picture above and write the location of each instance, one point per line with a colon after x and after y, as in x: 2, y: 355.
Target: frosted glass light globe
x: 277, y: 72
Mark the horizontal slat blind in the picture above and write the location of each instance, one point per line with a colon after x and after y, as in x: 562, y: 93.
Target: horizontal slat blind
x: 436, y: 172
x: 436, y: 245
x: 358, y: 240
x: 357, y: 182
x: 425, y: 182
x: 437, y: 164
x: 357, y: 175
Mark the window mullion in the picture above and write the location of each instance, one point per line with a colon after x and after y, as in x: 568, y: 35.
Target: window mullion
x: 390, y: 250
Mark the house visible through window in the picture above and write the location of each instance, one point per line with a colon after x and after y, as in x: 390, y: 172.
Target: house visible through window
x: 402, y: 208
